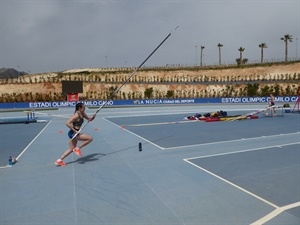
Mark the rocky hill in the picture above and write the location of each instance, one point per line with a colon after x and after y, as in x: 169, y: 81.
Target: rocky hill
x: 10, y: 73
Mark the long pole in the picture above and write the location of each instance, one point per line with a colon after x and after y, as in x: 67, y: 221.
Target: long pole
x: 131, y: 75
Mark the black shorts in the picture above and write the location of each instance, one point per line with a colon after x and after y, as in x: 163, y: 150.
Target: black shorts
x: 71, y: 134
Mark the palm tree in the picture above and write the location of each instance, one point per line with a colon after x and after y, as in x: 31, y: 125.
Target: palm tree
x: 262, y: 46
x: 241, y: 49
x: 201, y: 54
x: 286, y: 38
x: 220, y: 46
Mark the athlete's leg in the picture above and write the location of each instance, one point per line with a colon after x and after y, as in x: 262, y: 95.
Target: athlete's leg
x: 85, y: 138
x: 72, y: 145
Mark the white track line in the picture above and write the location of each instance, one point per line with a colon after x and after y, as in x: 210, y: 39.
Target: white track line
x: 236, y: 140
x: 269, y: 216
x: 136, y: 113
x: 232, y: 184
x: 161, y: 123
x: 241, y: 151
x: 275, y: 213
x: 135, y: 134
x: 33, y: 140
x: 28, y: 145
x: 148, y: 114
x: 74, y: 192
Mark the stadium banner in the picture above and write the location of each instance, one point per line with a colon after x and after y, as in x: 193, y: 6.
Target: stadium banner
x: 144, y: 102
x: 72, y: 97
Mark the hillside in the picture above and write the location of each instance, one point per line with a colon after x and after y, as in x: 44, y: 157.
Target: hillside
x: 191, y: 82
x: 10, y: 73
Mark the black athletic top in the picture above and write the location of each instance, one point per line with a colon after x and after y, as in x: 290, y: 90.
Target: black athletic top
x: 78, y: 123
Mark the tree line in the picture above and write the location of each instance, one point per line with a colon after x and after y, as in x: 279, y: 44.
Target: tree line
x: 240, y: 61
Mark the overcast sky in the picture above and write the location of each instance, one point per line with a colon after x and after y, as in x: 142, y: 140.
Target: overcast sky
x: 55, y: 35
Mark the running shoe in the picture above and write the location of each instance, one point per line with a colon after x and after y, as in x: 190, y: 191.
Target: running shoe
x: 77, y: 151
x: 60, y: 163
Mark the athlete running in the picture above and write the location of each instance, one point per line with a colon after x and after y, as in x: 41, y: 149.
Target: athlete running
x: 74, y: 123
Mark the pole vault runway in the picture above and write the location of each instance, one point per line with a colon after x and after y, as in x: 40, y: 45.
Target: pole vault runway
x: 188, y: 172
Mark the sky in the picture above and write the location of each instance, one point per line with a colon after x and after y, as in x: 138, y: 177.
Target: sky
x: 39, y: 36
